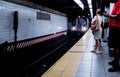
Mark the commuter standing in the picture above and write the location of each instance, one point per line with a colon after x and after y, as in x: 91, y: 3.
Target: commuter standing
x: 97, y: 34
x: 114, y: 35
x: 105, y: 28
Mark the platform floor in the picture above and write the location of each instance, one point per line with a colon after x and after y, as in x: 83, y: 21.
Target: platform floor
x: 78, y: 61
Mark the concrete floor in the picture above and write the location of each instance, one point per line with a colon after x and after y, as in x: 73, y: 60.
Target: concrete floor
x: 79, y: 61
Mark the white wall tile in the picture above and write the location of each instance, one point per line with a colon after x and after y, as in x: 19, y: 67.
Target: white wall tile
x: 27, y: 29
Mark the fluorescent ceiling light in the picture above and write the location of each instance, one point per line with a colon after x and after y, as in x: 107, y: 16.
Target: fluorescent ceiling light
x: 89, y: 1
x: 90, y: 4
x: 90, y: 7
x: 79, y: 3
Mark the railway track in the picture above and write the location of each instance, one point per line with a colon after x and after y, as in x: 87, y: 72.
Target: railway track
x: 35, y: 60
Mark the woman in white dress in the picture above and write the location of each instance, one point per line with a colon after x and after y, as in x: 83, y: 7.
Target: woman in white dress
x: 97, y: 34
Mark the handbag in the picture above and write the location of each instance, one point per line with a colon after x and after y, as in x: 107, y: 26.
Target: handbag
x: 95, y: 25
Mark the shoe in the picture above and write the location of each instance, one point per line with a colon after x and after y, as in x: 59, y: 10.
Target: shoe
x: 111, y: 63
x: 93, y: 51
x: 105, y: 41
x: 113, y: 69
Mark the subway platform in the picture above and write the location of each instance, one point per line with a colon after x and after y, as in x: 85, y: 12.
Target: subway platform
x: 79, y: 61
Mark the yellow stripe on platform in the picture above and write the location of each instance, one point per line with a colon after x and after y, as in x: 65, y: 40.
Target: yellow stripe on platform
x: 68, y: 64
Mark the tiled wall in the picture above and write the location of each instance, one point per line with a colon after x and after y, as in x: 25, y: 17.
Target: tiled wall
x: 28, y: 25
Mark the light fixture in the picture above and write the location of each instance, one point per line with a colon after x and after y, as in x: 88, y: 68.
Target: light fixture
x: 79, y: 3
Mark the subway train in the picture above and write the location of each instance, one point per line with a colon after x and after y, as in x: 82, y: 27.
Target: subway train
x: 80, y: 25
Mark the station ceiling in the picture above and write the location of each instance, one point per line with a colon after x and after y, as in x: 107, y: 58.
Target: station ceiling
x: 66, y: 6
x: 71, y: 8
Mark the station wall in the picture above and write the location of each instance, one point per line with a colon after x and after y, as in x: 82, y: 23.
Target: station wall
x: 28, y: 24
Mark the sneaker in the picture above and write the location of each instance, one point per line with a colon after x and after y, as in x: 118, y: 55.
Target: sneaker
x: 113, y: 69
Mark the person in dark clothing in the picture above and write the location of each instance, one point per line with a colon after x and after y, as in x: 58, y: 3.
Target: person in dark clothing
x: 105, y: 28
x: 114, y: 35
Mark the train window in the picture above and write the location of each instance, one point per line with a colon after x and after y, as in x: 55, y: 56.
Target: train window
x: 43, y: 16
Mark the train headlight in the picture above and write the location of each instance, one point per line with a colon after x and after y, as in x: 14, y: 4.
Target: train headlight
x: 84, y: 28
x: 73, y: 28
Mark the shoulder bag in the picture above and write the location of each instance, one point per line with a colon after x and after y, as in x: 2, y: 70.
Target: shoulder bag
x: 95, y: 25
